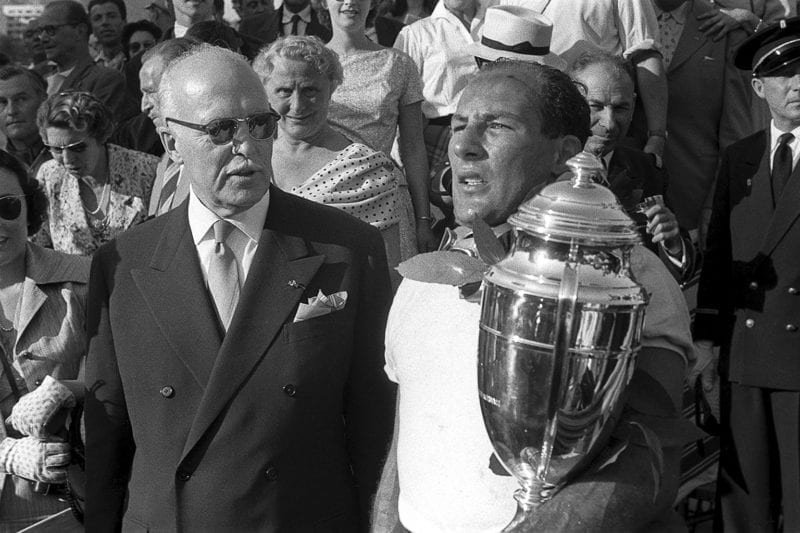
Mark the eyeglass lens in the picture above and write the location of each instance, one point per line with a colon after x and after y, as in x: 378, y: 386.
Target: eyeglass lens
x: 74, y: 148
x: 10, y: 207
x: 260, y: 126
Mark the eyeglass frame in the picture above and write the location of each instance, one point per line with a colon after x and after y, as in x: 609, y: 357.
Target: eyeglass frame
x: 39, y: 30
x: 70, y: 146
x: 204, y: 127
x: 20, y: 205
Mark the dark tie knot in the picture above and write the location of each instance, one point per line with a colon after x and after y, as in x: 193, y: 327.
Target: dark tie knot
x: 296, y: 18
x: 785, y: 139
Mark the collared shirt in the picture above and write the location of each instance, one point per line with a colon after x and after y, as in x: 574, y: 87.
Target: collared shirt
x: 774, y: 133
x: 243, y: 243
x: 32, y: 156
x: 437, y: 45
x: 670, y: 27
x: 56, y: 80
x: 305, y: 20
x: 620, y: 27
x: 117, y: 62
x: 179, y: 30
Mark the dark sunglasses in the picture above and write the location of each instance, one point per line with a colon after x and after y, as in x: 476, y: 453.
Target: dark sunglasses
x: 134, y: 48
x: 11, y: 206
x: 50, y: 29
x: 260, y: 126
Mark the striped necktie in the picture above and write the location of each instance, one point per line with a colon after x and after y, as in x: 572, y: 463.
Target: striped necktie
x: 167, y: 196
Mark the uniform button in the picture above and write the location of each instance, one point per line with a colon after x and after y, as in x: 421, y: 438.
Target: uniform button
x: 271, y: 473
x: 290, y: 389
x: 793, y: 291
x: 167, y: 391
x: 184, y: 475
x: 753, y: 285
x: 749, y: 323
x: 791, y: 328
x: 37, y: 382
x: 25, y: 355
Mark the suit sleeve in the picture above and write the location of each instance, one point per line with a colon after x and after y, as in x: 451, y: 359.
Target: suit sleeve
x: 111, y: 90
x: 713, y: 307
x: 109, y: 440
x: 369, y: 402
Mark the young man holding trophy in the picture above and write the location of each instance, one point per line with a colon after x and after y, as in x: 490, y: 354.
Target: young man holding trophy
x: 515, y: 128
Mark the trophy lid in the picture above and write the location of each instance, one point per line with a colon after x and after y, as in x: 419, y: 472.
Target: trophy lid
x: 578, y: 211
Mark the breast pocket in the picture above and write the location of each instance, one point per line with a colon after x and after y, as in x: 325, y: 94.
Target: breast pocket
x: 332, y: 324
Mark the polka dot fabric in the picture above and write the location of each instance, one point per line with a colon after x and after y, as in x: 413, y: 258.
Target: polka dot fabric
x: 359, y: 181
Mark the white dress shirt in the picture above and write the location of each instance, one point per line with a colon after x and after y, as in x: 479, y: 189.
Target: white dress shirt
x: 56, y: 80
x: 437, y: 44
x: 243, y: 243
x: 774, y: 133
x: 305, y: 20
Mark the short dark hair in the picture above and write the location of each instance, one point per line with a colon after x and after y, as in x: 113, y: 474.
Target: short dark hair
x: 77, y: 111
x: 119, y: 3
x: 13, y: 71
x: 35, y: 197
x: 618, y: 64
x: 139, y: 25
x: 562, y: 108
x: 216, y: 33
x: 76, y: 13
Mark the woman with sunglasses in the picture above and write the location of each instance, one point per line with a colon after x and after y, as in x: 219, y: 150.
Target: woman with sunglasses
x: 42, y: 342
x: 381, y: 93
x: 96, y: 189
x: 311, y: 159
x: 138, y: 37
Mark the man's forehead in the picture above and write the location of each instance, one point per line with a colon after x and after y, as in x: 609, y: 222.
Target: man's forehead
x: 104, y: 8
x: 17, y: 84
x: 53, y: 15
x: 496, y: 95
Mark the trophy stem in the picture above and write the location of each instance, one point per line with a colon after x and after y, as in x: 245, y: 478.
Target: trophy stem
x: 533, y: 494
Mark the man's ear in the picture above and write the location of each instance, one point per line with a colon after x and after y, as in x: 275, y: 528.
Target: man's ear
x: 758, y: 87
x: 169, y: 142
x: 567, y: 146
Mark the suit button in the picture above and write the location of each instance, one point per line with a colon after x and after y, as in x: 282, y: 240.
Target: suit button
x: 749, y: 323
x: 271, y: 473
x: 183, y: 475
x: 37, y: 382
x: 791, y: 328
x: 793, y: 291
x: 290, y: 390
x: 753, y: 285
x: 167, y: 391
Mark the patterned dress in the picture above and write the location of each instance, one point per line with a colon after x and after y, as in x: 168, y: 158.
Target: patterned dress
x: 366, y: 106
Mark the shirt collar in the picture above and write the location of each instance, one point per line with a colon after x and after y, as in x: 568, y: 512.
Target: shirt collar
x: 440, y: 11
x: 679, y: 13
x: 775, y: 133
x: 249, y: 222
x: 305, y: 15
x: 179, y: 30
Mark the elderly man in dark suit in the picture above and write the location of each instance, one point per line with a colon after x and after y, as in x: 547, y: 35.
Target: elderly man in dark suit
x: 293, y: 17
x: 748, y: 298
x: 235, y: 365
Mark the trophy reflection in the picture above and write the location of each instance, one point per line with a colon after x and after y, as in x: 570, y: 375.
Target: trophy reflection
x: 560, y: 326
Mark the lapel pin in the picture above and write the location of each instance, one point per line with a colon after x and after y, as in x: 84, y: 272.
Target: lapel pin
x: 296, y: 285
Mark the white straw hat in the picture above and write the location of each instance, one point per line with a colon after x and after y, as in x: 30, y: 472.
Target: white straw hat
x: 515, y: 32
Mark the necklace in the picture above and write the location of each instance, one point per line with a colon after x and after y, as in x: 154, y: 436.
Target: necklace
x: 105, y: 196
x: 12, y: 326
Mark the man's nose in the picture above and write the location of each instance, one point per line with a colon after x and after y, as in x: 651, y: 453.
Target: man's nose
x: 605, y: 118
x: 466, y: 144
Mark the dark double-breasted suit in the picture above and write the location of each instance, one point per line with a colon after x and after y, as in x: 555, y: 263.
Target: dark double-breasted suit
x: 276, y: 425
x: 267, y: 26
x: 749, y: 303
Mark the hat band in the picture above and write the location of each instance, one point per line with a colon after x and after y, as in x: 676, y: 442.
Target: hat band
x: 520, y: 48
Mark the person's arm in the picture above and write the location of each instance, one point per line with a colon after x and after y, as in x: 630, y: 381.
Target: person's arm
x: 109, y: 438
x: 652, y: 85
x: 385, y: 515
x: 415, y: 163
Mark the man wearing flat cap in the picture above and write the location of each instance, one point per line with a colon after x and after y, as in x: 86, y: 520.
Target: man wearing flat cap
x: 749, y: 297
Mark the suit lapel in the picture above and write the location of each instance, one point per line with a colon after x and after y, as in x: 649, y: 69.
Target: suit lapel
x: 752, y: 181
x: 174, y: 275
x: 692, y: 39
x: 78, y: 73
x: 786, y: 213
x: 265, y: 305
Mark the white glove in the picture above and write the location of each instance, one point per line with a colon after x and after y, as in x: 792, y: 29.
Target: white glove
x: 35, y: 459
x: 706, y: 365
x: 33, y: 411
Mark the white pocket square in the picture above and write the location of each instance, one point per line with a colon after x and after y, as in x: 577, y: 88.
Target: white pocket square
x: 320, y: 305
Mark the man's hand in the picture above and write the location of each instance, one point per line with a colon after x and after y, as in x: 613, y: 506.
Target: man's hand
x: 426, y: 240
x: 717, y: 23
x: 35, y: 410
x: 663, y: 226
x: 35, y: 459
x: 705, y: 366
x: 655, y: 145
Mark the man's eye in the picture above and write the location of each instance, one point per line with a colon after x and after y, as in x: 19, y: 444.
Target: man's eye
x: 499, y: 126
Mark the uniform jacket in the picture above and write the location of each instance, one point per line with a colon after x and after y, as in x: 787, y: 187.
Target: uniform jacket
x: 274, y: 426
x: 106, y: 84
x: 749, y: 295
x: 267, y: 26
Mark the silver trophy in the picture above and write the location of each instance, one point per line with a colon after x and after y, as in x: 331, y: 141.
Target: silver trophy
x: 560, y: 327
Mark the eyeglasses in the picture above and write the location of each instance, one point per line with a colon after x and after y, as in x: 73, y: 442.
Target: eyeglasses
x: 77, y: 147
x: 50, y: 29
x: 260, y: 126
x: 11, y: 206
x: 134, y: 48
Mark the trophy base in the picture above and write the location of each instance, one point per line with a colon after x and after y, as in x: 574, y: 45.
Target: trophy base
x: 529, y: 498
